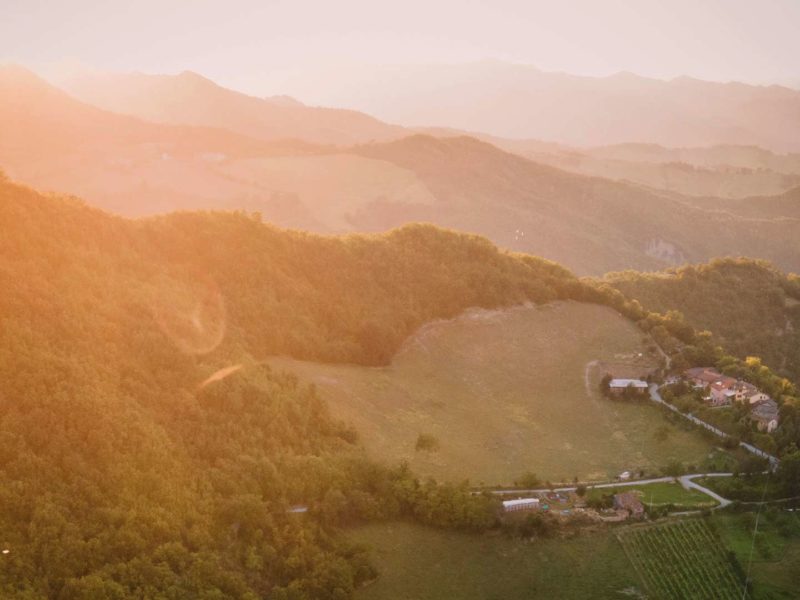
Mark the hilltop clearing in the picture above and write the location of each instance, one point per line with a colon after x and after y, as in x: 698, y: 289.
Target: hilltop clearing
x: 502, y: 393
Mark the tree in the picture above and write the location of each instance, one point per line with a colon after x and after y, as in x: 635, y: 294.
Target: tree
x: 529, y: 481
x: 673, y: 468
x: 788, y: 473
x: 605, y: 385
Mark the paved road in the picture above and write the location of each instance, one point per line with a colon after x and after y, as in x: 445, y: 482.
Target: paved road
x: 655, y: 396
x: 687, y: 481
x: 688, y: 484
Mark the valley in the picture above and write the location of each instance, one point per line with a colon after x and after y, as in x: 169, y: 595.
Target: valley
x: 419, y: 301
x: 592, y: 221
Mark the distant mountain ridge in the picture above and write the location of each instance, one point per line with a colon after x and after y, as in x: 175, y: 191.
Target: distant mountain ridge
x: 586, y: 223
x: 590, y: 224
x: 520, y: 101
x: 191, y: 99
x: 721, y: 171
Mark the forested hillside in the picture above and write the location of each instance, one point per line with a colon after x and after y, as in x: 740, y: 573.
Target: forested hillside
x: 722, y: 172
x: 124, y: 475
x: 751, y: 307
x: 786, y: 205
x: 588, y: 224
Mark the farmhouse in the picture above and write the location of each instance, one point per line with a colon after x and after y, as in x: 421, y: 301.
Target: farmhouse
x: 765, y: 415
x: 721, y: 393
x: 724, y: 390
x: 754, y: 396
x: 520, y: 504
x: 618, y: 386
x: 630, y: 502
x: 702, y: 377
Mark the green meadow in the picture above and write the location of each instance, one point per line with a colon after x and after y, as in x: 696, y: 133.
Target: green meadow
x: 661, y: 494
x: 429, y: 564
x: 508, y: 392
x: 770, y: 551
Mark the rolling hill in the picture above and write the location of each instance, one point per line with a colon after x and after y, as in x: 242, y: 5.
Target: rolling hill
x: 764, y: 207
x: 520, y: 101
x: 591, y: 225
x: 134, y: 167
x: 146, y: 452
x: 191, y: 99
x: 750, y: 307
x: 587, y: 223
x: 724, y: 172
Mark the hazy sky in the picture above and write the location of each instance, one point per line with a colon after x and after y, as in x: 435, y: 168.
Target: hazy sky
x: 253, y: 44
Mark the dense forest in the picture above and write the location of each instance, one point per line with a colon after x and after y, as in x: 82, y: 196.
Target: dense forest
x: 750, y: 307
x: 132, y: 466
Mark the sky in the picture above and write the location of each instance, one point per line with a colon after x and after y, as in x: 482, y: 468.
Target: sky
x: 258, y: 45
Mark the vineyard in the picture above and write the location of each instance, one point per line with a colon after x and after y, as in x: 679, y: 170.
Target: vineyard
x: 681, y: 560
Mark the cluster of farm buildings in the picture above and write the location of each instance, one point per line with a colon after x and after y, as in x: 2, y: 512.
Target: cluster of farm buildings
x: 722, y: 390
x: 626, y: 505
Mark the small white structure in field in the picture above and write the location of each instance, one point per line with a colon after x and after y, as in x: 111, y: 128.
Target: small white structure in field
x: 520, y: 504
x: 619, y: 386
x: 624, y: 476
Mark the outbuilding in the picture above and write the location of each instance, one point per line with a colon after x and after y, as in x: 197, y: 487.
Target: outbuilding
x: 520, y: 504
x: 619, y: 386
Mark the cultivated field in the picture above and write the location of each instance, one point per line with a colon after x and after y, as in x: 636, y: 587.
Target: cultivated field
x: 681, y: 560
x: 771, y: 555
x: 506, y: 392
x: 431, y: 564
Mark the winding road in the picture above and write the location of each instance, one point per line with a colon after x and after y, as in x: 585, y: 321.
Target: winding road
x: 688, y: 484
x: 655, y: 396
x: 686, y: 481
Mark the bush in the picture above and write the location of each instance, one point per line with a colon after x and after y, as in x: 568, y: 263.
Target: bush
x: 426, y: 442
x: 528, y: 480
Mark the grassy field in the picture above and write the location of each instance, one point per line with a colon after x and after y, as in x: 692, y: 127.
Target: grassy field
x: 681, y: 560
x: 506, y: 392
x: 772, y: 554
x: 429, y: 564
x: 661, y: 494
x: 675, y: 559
x: 746, y: 488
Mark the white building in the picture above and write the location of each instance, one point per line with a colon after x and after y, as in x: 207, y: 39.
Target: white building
x: 520, y: 504
x: 618, y: 386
